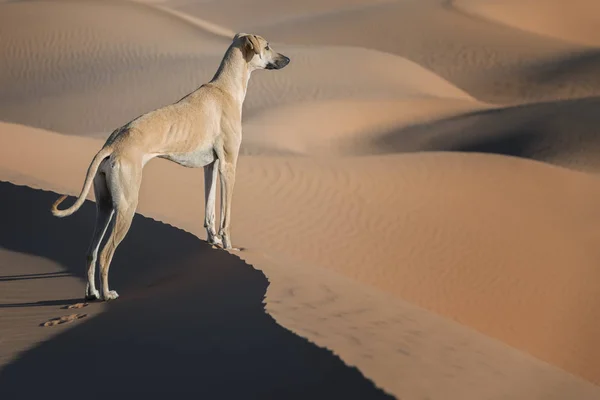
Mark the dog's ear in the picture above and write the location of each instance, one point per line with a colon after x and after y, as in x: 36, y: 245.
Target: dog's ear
x: 251, y: 46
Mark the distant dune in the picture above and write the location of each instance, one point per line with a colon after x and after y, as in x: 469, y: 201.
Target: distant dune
x: 574, y: 21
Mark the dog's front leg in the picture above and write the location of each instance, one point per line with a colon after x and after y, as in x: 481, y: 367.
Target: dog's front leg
x: 210, y: 194
x: 227, y: 175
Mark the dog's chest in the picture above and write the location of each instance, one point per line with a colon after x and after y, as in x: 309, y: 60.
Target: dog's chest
x: 194, y: 159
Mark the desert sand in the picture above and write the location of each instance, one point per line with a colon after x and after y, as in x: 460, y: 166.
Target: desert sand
x: 416, y: 202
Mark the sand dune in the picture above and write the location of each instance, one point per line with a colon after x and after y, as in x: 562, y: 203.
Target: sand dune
x: 444, y: 273
x: 429, y: 243
x: 381, y: 82
x: 82, y: 59
x: 575, y: 21
x: 41, y: 93
x: 426, y: 243
x: 171, y: 279
x: 477, y: 56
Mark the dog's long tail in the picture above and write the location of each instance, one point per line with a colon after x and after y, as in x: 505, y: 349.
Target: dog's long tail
x: 89, y: 179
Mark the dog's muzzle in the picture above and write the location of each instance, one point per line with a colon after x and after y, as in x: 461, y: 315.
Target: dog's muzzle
x: 279, y: 63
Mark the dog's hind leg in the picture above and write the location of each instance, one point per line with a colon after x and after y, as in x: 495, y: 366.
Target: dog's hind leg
x: 104, y: 213
x: 210, y: 194
x: 124, y: 184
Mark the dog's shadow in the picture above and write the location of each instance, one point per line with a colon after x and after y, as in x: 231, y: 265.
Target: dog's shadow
x: 190, y: 321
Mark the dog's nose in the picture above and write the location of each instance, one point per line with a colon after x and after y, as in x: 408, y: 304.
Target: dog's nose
x: 283, y: 61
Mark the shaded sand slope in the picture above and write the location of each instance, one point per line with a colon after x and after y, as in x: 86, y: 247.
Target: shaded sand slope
x: 192, y: 322
x: 425, y: 238
x: 192, y: 319
x: 573, y: 20
x: 33, y: 291
x: 560, y: 132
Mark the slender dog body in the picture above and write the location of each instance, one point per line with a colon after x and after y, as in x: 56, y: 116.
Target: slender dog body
x: 203, y: 129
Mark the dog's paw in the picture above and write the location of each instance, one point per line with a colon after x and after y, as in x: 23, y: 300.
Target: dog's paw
x: 215, y: 241
x: 231, y: 248
x: 112, y: 295
x: 95, y: 295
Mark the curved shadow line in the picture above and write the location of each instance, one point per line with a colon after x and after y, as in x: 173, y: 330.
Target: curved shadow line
x: 191, y: 320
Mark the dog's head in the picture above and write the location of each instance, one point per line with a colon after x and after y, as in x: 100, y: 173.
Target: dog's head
x: 258, y: 53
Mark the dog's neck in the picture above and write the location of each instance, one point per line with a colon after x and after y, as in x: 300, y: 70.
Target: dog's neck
x: 233, y: 74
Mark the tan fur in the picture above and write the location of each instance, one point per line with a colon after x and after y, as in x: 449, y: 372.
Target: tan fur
x: 203, y: 129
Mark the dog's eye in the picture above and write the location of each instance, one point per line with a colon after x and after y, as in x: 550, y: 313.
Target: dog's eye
x: 267, y: 48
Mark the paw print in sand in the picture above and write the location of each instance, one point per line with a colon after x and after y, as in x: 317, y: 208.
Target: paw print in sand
x: 65, y: 319
x: 77, y: 305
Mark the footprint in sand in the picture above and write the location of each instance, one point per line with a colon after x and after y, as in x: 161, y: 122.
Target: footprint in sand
x: 65, y: 319
x: 77, y: 305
